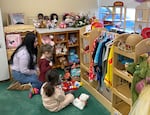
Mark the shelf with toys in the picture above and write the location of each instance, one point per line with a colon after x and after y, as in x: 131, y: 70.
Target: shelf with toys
x: 65, y: 42
x: 127, y: 49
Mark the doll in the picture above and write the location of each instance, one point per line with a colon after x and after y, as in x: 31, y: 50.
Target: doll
x: 54, y: 19
x: 67, y: 18
x: 40, y: 16
x: 67, y: 75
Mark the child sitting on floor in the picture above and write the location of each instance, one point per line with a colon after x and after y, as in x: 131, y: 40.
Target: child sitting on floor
x: 53, y: 97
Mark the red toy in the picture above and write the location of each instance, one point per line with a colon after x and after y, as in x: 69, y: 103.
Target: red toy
x: 69, y: 86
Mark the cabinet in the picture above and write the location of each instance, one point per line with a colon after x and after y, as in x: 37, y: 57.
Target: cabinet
x: 16, y: 29
x: 86, y: 48
x: 66, y: 40
x: 121, y: 98
x: 113, y: 16
x: 142, y: 16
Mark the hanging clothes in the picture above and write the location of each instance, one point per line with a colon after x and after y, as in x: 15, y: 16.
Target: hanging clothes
x: 109, y: 74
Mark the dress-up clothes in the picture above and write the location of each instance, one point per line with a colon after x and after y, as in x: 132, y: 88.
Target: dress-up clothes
x: 43, y: 67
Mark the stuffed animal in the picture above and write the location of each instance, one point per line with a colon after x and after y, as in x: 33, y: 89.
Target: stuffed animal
x: 141, y: 75
x: 81, y: 102
x: 73, y: 57
x: 75, y: 71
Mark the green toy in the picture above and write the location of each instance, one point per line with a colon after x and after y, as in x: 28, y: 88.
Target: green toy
x: 140, y: 71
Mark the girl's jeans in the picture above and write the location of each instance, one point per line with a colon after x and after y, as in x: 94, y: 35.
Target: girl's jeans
x: 24, y: 78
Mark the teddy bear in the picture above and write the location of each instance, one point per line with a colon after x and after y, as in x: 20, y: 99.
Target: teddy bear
x: 81, y: 101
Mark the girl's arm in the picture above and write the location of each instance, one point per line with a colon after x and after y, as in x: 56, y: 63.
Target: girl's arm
x: 59, y: 94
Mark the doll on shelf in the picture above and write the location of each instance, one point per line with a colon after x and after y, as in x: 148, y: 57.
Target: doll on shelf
x: 40, y: 16
x: 68, y: 19
x: 54, y: 19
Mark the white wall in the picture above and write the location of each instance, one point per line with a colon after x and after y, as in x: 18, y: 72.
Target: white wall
x: 32, y: 7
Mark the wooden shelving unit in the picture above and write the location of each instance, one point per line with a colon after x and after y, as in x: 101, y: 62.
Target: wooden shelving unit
x: 85, y: 59
x: 114, y: 15
x: 121, y: 98
x: 62, y: 37
x: 142, y: 16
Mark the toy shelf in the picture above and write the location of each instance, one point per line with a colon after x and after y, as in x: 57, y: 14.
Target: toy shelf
x: 67, y: 37
x: 122, y: 102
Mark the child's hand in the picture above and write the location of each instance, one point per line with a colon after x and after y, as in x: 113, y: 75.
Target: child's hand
x: 51, y: 63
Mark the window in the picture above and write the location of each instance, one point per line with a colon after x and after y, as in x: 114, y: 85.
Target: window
x: 115, y: 18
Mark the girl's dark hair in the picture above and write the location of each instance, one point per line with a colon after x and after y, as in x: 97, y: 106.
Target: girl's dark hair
x: 28, y: 42
x: 52, y: 78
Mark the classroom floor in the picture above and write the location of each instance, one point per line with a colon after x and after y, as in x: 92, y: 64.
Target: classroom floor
x: 18, y: 103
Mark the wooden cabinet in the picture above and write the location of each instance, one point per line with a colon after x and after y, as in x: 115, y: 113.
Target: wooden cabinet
x: 66, y: 40
x: 121, y: 98
x: 142, y: 16
x: 86, y: 48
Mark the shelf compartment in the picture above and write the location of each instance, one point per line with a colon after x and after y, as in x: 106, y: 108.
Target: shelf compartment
x: 123, y: 74
x: 130, y: 55
x: 85, y: 58
x: 123, y: 92
x: 122, y: 107
x: 85, y: 66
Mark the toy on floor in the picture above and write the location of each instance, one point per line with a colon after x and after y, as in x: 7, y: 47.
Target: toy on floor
x: 33, y: 91
x: 70, y: 86
x: 75, y: 72
x: 67, y: 75
x: 81, y: 102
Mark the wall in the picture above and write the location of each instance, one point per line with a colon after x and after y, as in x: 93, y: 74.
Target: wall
x: 32, y: 7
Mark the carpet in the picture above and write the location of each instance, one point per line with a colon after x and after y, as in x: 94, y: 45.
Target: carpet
x: 18, y: 103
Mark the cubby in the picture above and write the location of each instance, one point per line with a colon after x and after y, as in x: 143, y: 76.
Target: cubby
x: 68, y: 38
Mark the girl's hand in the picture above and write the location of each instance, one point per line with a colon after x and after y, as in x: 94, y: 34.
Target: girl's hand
x: 51, y: 63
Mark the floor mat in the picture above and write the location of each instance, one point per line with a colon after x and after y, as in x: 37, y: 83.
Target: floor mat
x: 18, y: 103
